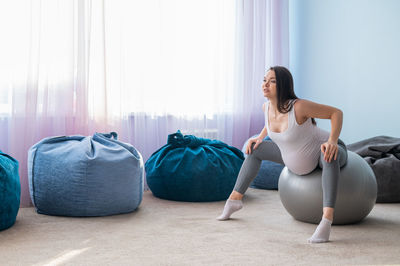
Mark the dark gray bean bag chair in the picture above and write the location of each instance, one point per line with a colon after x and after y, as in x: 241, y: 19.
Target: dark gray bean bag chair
x: 382, y: 153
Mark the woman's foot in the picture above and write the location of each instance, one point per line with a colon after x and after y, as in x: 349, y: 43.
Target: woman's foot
x: 322, y: 232
x: 328, y: 213
x: 236, y: 195
x: 231, y: 206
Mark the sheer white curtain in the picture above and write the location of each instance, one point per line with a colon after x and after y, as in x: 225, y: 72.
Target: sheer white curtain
x: 143, y: 68
x: 171, y: 66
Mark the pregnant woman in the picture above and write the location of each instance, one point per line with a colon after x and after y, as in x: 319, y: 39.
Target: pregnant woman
x: 297, y: 143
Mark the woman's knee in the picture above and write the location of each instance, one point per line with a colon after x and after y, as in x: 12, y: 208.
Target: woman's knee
x: 255, y: 151
x: 323, y: 163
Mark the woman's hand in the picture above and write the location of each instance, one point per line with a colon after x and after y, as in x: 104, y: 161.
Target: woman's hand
x: 330, y: 150
x: 257, y: 142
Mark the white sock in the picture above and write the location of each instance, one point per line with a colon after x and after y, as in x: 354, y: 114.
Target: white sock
x: 322, y: 232
x: 230, y: 207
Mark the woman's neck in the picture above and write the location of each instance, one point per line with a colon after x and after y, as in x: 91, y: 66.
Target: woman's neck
x: 274, y: 104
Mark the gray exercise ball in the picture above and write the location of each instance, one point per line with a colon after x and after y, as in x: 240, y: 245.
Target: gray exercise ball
x: 357, y: 191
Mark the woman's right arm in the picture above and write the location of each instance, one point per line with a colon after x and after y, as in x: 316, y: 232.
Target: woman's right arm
x: 263, y: 134
x: 257, y: 140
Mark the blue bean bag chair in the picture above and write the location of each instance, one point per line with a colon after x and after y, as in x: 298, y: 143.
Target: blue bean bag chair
x: 268, y: 176
x: 85, y: 176
x: 193, y: 169
x: 10, y: 191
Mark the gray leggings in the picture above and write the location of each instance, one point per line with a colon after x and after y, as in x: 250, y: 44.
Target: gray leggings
x: 268, y: 150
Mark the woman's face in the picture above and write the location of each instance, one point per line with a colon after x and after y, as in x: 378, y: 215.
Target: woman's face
x: 269, y: 85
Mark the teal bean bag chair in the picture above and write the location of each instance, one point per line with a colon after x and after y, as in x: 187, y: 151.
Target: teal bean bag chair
x: 10, y: 191
x: 193, y: 169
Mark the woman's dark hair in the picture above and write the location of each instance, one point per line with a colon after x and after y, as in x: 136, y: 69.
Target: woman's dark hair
x: 285, y: 89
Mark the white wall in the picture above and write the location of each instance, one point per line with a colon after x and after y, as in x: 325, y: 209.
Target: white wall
x: 346, y: 53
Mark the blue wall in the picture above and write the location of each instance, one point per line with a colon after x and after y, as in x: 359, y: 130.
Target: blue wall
x: 346, y: 53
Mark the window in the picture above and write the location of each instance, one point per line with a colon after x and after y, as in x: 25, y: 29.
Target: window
x: 131, y: 56
x: 171, y: 56
x: 5, y: 102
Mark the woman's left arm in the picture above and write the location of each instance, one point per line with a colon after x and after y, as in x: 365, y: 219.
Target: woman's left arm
x: 306, y: 109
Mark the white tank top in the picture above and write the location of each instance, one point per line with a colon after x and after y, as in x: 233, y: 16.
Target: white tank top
x: 300, y: 145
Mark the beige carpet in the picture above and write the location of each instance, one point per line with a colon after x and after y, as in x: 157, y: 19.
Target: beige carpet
x: 164, y: 232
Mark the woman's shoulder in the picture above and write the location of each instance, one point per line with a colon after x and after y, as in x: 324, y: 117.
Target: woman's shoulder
x: 307, y: 108
x: 303, y: 103
x: 298, y: 100
x: 299, y: 105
